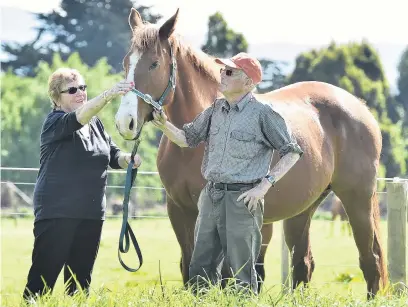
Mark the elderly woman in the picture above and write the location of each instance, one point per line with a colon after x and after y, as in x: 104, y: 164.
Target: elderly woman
x: 69, y: 195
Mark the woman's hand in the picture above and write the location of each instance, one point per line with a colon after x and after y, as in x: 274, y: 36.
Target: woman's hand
x: 121, y: 88
x: 124, y: 161
x: 138, y: 160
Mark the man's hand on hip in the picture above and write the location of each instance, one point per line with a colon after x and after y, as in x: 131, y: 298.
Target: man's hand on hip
x: 251, y: 197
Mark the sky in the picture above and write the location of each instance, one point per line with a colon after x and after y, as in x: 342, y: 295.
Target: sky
x: 264, y: 23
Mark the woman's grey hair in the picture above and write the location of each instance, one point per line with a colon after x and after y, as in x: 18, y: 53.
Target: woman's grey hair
x: 58, y: 80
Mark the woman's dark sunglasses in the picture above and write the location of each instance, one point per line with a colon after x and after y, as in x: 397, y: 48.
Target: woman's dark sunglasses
x: 228, y: 72
x: 73, y: 90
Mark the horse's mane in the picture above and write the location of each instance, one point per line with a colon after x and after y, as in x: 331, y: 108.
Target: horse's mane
x: 147, y: 36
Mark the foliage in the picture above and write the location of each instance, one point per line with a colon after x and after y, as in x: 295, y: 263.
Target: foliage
x: 401, y: 100
x: 356, y: 67
x: 93, y: 28
x: 402, y: 83
x: 221, y: 40
x: 23, y: 57
x: 273, y: 76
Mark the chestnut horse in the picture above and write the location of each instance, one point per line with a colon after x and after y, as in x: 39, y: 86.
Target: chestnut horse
x: 340, y: 138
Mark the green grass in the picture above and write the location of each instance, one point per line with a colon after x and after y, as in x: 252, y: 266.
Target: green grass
x: 337, y: 280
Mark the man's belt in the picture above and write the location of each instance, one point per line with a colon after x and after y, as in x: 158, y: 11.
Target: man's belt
x: 232, y: 186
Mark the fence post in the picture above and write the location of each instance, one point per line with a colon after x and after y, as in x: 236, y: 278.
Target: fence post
x: 397, y: 201
x: 285, y: 262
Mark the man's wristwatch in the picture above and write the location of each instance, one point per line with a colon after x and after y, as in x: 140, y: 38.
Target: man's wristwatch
x: 271, y: 179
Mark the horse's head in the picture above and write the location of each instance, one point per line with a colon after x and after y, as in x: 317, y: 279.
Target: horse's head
x: 149, y: 65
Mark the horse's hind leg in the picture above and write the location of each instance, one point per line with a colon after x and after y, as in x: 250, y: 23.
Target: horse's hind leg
x: 363, y: 212
x: 297, y: 238
x: 183, y: 223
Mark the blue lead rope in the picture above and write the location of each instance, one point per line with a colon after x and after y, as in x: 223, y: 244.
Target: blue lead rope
x: 126, y: 231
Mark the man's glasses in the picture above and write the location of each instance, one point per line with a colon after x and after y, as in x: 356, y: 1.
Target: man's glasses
x: 228, y: 72
x: 72, y: 90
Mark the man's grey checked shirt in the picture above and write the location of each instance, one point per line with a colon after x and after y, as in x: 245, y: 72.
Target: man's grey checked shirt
x: 240, y: 139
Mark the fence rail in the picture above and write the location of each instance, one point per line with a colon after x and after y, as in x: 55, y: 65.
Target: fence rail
x: 33, y: 169
x: 108, y: 186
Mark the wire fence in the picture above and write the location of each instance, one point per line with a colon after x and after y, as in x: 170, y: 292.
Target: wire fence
x: 145, y: 189
x: 136, y: 187
x: 29, y: 184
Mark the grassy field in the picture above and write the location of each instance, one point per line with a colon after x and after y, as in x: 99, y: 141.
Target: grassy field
x: 337, y: 280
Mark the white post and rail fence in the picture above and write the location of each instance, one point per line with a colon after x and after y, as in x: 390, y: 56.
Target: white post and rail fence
x: 397, y: 203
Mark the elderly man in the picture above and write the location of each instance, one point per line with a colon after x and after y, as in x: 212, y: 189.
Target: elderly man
x: 241, y: 134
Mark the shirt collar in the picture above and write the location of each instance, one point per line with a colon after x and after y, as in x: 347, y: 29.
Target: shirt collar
x: 239, y: 105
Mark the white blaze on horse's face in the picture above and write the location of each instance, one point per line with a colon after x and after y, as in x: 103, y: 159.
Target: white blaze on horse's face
x: 126, y: 116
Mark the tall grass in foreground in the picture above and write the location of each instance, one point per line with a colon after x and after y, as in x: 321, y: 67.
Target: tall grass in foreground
x: 337, y: 280
x: 165, y: 295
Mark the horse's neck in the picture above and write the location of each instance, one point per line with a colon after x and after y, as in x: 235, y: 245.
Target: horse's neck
x: 194, y: 92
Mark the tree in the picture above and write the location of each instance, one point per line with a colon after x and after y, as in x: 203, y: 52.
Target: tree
x: 221, y: 40
x: 402, y: 82
x: 24, y: 57
x: 357, y: 69
x: 402, y: 97
x: 273, y: 76
x: 93, y: 28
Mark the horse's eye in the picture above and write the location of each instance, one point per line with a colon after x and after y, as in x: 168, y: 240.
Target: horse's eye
x: 154, y: 65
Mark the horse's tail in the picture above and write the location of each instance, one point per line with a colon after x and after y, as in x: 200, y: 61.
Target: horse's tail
x: 378, y: 246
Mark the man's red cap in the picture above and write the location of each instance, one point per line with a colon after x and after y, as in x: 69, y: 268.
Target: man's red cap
x: 248, y: 64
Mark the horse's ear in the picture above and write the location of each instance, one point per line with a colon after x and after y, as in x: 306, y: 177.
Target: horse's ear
x: 167, y: 29
x: 135, y: 20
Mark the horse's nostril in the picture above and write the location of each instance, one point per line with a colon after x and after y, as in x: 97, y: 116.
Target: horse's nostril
x: 131, y: 124
x: 117, y: 126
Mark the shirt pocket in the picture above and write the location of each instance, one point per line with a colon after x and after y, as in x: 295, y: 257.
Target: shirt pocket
x: 243, y: 145
x: 212, y: 138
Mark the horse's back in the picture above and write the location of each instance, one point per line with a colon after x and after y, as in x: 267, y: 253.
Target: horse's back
x: 338, y: 134
x: 320, y: 110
